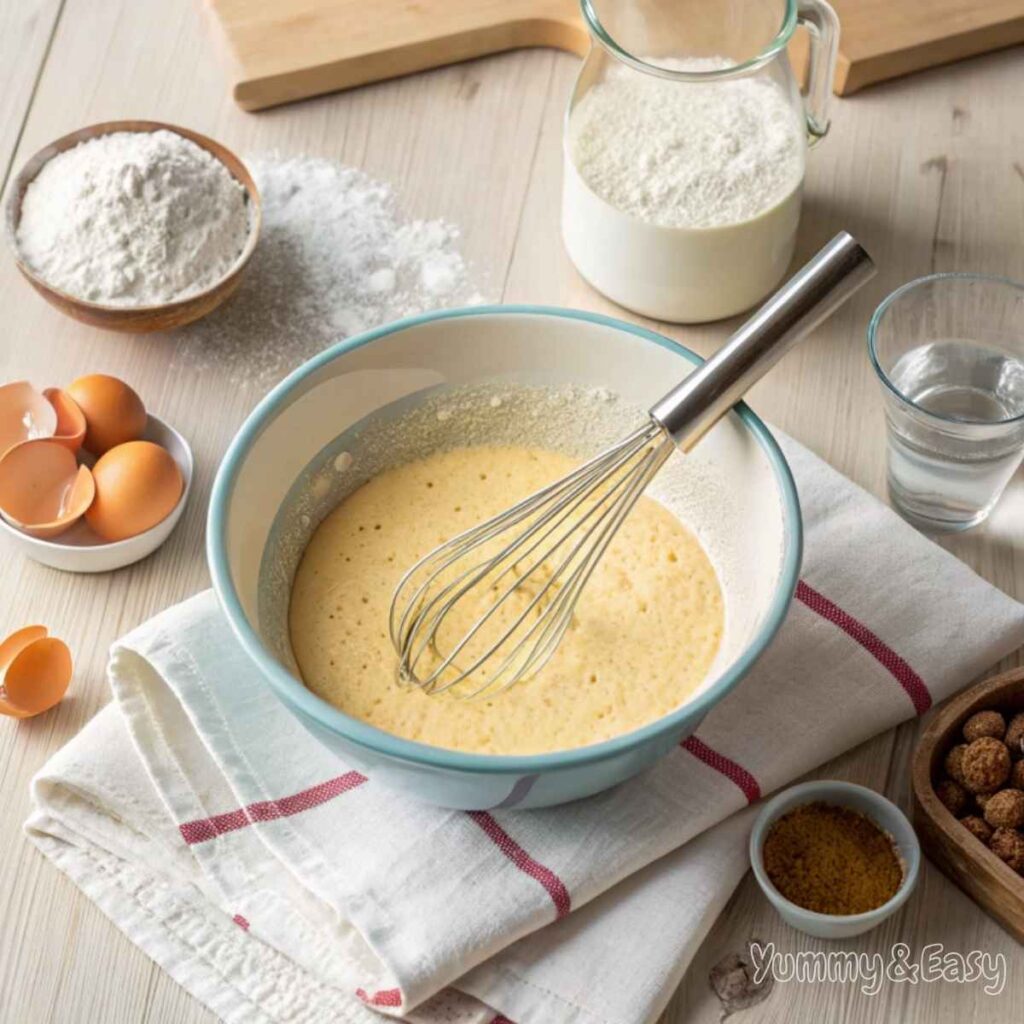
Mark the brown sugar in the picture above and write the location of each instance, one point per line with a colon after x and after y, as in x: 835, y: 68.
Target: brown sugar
x: 831, y: 860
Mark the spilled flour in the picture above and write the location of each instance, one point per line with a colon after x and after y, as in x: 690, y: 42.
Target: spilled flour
x: 335, y: 257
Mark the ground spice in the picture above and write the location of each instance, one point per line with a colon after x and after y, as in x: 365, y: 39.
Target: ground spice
x: 831, y: 860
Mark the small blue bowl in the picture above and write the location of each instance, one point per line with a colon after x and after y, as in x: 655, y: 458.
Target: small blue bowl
x: 885, y: 814
x: 749, y: 504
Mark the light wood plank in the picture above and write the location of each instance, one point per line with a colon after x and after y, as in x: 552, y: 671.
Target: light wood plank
x: 26, y: 28
x: 284, y: 50
x: 280, y: 51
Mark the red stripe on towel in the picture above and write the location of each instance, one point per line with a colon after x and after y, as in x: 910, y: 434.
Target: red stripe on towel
x: 203, y: 829
x: 241, y: 922
x: 552, y: 883
x: 501, y: 1019
x: 733, y: 771
x: 386, y: 997
x: 911, y: 682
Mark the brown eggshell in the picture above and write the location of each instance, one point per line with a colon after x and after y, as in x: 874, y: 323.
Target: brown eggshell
x: 138, y: 485
x: 70, y: 430
x: 37, y: 678
x: 24, y: 414
x: 16, y: 642
x: 114, y: 413
x: 43, y: 491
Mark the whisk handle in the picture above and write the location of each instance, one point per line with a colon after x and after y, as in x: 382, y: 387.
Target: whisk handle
x: 693, y: 407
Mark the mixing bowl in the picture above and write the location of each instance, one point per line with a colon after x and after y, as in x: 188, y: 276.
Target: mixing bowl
x: 739, y: 499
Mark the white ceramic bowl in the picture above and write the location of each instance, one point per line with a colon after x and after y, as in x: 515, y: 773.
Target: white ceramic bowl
x: 882, y: 812
x: 80, y: 550
x: 744, y: 510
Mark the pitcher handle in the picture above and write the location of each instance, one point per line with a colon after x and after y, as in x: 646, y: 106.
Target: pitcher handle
x: 822, y: 26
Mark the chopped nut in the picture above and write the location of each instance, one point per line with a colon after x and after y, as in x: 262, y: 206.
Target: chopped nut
x: 1005, y: 809
x: 984, y: 723
x: 982, y: 799
x: 985, y: 765
x: 954, y: 763
x: 952, y: 795
x: 1014, y: 737
x: 978, y: 827
x: 1008, y: 845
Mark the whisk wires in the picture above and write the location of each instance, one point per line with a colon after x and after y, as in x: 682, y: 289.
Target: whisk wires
x: 489, y: 607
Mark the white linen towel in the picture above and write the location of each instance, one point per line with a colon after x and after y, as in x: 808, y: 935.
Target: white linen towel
x: 277, y: 885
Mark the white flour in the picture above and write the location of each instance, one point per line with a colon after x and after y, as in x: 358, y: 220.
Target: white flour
x: 133, y: 219
x: 682, y: 155
x: 335, y: 258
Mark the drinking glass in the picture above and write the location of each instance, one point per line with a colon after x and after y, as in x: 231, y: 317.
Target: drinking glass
x: 949, y: 352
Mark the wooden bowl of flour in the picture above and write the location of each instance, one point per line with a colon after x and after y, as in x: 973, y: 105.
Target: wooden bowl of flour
x: 132, y: 318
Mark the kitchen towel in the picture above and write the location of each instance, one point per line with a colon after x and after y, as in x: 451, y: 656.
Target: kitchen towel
x: 278, y: 885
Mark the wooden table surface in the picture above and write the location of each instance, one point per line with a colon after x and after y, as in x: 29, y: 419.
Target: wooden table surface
x: 928, y: 172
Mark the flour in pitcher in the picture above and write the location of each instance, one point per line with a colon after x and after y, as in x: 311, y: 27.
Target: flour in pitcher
x: 681, y: 200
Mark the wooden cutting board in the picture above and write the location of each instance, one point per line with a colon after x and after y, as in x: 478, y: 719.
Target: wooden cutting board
x: 284, y: 50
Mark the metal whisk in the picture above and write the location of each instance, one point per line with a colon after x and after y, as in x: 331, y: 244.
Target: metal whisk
x: 489, y: 607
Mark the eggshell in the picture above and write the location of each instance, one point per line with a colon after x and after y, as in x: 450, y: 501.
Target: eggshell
x: 24, y: 414
x: 138, y: 485
x: 70, y: 430
x: 43, y: 491
x: 36, y: 678
x: 16, y: 642
x: 114, y: 413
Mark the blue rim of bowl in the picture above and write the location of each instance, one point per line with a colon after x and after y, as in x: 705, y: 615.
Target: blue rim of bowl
x: 819, y: 789
x: 890, y: 299
x: 294, y: 694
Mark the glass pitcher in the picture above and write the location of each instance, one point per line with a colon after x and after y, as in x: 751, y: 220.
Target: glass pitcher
x: 685, y: 143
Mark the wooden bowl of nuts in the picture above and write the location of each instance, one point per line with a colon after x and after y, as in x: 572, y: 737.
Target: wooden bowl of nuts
x: 968, y: 780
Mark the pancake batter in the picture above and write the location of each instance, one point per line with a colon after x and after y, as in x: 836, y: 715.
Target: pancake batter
x: 646, y: 629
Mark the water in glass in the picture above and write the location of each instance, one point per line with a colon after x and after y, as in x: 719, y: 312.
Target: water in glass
x: 958, y: 438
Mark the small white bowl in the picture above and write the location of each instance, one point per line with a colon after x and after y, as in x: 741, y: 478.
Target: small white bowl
x: 80, y: 550
x: 885, y: 814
